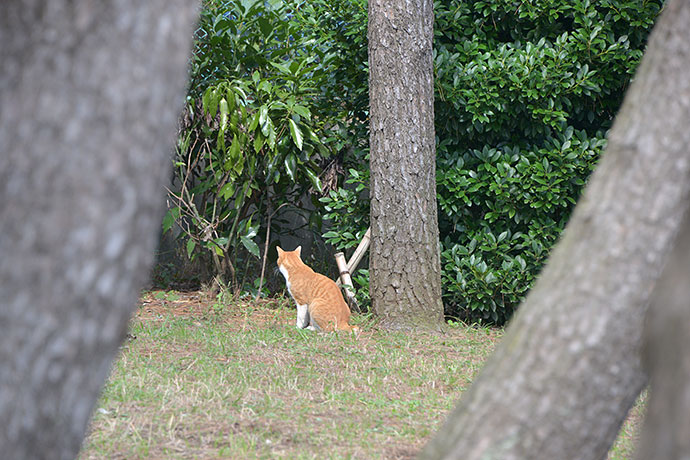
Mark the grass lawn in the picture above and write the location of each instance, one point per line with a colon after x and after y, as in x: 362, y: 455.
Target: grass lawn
x: 199, y: 378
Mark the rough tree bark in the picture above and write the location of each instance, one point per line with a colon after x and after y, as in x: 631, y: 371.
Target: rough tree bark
x: 666, y: 357
x: 89, y: 97
x: 404, y: 263
x: 568, y: 369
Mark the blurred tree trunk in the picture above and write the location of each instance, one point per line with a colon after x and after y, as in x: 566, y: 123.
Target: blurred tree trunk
x: 89, y: 97
x: 568, y: 369
x: 404, y: 264
x: 665, y: 435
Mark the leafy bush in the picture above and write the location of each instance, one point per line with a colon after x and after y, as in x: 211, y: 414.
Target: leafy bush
x: 511, y: 205
x: 255, y: 135
x: 525, y: 92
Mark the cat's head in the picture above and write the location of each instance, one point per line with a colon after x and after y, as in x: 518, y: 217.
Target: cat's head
x: 289, y: 258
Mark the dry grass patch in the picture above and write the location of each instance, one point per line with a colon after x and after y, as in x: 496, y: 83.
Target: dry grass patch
x: 202, y: 378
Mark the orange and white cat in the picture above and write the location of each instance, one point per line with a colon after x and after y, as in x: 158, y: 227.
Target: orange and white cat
x: 320, y: 304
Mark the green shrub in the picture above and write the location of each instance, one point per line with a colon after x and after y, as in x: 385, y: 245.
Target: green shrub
x: 255, y: 135
x: 525, y: 92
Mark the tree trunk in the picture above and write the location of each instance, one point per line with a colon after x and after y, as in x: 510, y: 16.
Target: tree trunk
x: 665, y: 355
x: 89, y: 98
x: 404, y: 263
x: 568, y: 369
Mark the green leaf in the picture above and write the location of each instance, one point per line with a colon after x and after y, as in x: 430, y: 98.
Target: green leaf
x: 223, y: 113
x: 302, y: 111
x: 315, y: 181
x: 263, y: 115
x: 231, y: 98
x: 206, y: 100
x: 265, y: 86
x: 271, y: 135
x: 191, y: 244
x: 265, y: 26
x: 521, y: 262
x: 169, y: 219
x: 251, y: 246
x: 255, y: 121
x: 259, y: 142
x: 291, y: 165
x: 252, y: 231
x: 233, y: 154
x: 227, y: 191
x: 296, y: 133
x: 239, y: 165
x: 267, y: 128
x: 282, y: 67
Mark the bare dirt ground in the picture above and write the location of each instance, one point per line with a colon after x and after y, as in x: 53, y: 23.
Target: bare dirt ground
x: 156, y: 305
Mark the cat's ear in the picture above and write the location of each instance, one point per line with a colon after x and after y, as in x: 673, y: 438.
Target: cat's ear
x: 298, y: 250
x: 280, y: 251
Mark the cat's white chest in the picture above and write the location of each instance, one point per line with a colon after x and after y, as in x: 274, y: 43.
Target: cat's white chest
x: 284, y: 271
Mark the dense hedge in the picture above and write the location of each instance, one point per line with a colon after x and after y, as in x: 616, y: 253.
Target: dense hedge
x: 525, y: 92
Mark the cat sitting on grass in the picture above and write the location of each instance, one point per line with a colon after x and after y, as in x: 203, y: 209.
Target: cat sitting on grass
x: 320, y: 304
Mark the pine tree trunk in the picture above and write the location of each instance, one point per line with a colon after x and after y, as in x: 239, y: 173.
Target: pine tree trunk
x: 404, y: 264
x: 568, y: 369
x: 89, y: 98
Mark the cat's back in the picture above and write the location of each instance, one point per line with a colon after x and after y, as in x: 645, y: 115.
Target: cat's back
x: 306, y: 282
x: 327, y: 305
x: 325, y: 288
